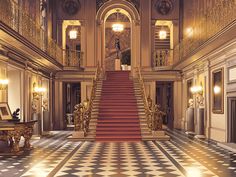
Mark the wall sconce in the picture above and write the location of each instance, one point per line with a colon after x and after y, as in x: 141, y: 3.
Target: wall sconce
x: 198, y: 91
x: 189, y: 31
x: 3, y: 84
x: 38, y: 91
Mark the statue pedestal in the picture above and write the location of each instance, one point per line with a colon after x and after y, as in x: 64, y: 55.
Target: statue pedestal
x: 190, y: 121
x: 78, y: 134
x: 37, y: 131
x: 200, y: 123
x: 117, y: 64
x: 46, y: 121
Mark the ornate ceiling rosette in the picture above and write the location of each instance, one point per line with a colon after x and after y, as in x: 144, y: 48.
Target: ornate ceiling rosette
x: 164, y: 7
x: 71, y: 7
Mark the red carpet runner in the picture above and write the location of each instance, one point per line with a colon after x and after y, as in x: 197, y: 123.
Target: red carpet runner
x: 118, y: 114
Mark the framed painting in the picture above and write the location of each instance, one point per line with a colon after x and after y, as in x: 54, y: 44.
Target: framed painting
x: 5, y: 113
x: 218, y: 91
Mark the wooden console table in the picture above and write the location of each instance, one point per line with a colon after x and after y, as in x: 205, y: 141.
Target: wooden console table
x: 12, y: 132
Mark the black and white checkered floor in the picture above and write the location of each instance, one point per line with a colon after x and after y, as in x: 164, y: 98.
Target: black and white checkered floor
x: 182, y: 156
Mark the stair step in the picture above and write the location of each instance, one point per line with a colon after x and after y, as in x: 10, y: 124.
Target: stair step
x: 118, y: 92
x: 124, y: 125
x: 118, y: 97
x: 118, y: 109
x: 119, y: 129
x: 117, y: 113
x: 122, y: 100
x: 116, y: 106
x: 115, y: 133
x: 101, y: 122
x: 118, y: 138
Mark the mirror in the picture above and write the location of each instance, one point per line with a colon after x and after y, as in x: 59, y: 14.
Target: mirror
x: 218, y: 91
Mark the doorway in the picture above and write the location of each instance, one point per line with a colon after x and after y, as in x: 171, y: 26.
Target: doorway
x: 117, y: 41
x: 164, y: 97
x: 72, y: 97
x: 232, y: 120
x: 127, y: 10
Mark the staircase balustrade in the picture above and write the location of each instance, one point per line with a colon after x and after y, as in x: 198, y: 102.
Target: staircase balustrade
x: 162, y: 57
x: 83, y: 111
x: 17, y: 18
x: 154, y: 115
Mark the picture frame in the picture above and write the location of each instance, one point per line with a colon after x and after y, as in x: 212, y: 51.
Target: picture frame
x: 218, y: 91
x: 5, y: 112
x: 232, y: 74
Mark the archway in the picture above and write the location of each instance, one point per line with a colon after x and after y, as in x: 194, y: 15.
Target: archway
x: 117, y: 41
x: 132, y: 14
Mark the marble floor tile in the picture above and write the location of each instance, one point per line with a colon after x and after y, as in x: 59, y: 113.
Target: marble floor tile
x: 183, y: 155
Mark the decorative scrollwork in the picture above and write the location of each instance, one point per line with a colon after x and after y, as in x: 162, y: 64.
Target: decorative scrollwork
x: 83, y: 111
x: 13, y: 133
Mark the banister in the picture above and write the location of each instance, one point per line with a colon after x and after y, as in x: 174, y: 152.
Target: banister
x: 152, y: 111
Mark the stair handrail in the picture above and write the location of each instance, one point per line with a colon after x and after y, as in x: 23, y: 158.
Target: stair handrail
x: 152, y: 111
x: 83, y: 111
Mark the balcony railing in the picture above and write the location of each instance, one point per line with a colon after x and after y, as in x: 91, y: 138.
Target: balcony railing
x: 73, y: 58
x: 19, y: 20
x: 222, y: 14
x: 162, y: 58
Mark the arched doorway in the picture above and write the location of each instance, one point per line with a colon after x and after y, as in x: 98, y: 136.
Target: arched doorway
x: 128, y: 10
x: 117, y: 41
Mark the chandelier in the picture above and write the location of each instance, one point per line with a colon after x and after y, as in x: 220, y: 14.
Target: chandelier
x: 73, y: 34
x: 117, y: 27
x: 162, y: 34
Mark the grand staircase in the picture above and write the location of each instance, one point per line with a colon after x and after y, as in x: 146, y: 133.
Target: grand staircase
x: 118, y: 113
x: 118, y: 118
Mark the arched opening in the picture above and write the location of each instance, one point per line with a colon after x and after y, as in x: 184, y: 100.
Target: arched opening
x: 163, y: 43
x: 117, y: 41
x: 71, y: 42
x: 129, y: 39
